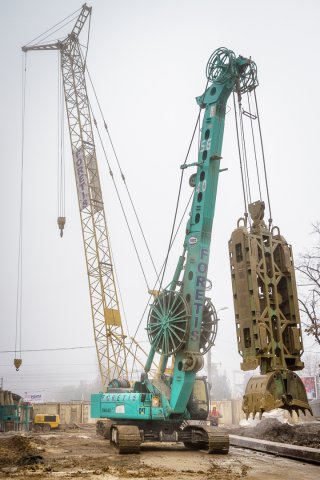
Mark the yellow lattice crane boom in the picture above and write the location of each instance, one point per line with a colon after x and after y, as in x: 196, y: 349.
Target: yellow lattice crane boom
x: 108, y: 330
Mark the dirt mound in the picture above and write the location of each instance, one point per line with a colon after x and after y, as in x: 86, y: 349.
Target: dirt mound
x: 14, y: 448
x: 304, y: 434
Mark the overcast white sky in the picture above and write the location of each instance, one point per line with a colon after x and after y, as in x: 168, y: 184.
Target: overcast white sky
x: 147, y: 59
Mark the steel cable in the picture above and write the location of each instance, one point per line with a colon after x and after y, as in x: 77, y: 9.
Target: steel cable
x: 120, y: 201
x: 254, y: 146
x: 122, y: 174
x: 180, y: 185
x: 240, y: 159
x: 61, y: 21
x: 244, y: 153
x: 18, y: 331
x: 154, y: 287
x: 61, y: 157
x: 178, y: 198
x: 264, y: 161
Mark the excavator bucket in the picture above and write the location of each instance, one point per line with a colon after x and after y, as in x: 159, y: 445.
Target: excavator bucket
x: 280, y: 389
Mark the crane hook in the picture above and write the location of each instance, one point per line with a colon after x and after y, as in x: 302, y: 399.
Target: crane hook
x: 61, y: 224
x: 17, y: 363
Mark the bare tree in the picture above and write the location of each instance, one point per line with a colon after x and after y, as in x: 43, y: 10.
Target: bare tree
x: 308, y: 266
x: 311, y: 364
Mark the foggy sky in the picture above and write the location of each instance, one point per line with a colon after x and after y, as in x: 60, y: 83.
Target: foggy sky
x: 147, y: 59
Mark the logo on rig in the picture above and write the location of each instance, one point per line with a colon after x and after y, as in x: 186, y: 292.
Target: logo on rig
x: 199, y: 298
x: 81, y: 178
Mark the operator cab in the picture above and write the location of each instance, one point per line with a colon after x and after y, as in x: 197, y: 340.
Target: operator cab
x: 198, y: 404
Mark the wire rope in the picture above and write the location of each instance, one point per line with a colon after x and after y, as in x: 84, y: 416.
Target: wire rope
x: 54, y: 26
x: 54, y: 349
x: 119, y: 290
x: 19, y: 297
x: 57, y: 40
x: 61, y: 156
x: 263, y: 159
x: 199, y: 136
x: 244, y: 151
x: 179, y: 194
x: 122, y: 175
x: 254, y: 146
x: 58, y: 134
x: 172, y: 235
x: 120, y: 201
x: 65, y: 364
x: 243, y: 156
x: 154, y: 287
x: 240, y: 159
x: 121, y: 172
x: 49, y: 349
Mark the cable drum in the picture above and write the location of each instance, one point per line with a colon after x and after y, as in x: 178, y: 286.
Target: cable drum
x: 220, y: 65
x: 209, y: 327
x: 168, y: 322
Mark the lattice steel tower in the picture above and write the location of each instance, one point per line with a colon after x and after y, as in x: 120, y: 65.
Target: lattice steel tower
x: 108, y: 331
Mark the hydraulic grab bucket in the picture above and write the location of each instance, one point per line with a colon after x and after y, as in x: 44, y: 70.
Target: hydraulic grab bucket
x: 275, y: 390
x: 267, y: 315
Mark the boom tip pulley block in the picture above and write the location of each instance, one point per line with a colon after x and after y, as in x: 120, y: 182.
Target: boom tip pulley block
x: 223, y: 65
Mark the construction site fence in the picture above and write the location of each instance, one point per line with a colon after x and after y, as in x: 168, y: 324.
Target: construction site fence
x: 69, y: 412
x: 79, y: 412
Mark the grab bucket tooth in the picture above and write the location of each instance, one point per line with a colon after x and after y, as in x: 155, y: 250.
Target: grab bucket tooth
x: 280, y: 389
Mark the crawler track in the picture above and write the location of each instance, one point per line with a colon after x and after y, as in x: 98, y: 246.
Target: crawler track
x: 205, y: 438
x: 303, y: 454
x: 218, y: 442
x: 128, y: 439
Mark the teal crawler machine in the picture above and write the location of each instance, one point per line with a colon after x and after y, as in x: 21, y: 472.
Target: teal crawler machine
x: 182, y: 321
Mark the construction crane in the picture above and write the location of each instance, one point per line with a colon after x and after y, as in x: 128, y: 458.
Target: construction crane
x: 109, y: 334
x: 182, y: 318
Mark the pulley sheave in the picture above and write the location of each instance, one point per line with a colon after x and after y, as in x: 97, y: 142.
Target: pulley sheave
x: 248, y: 77
x: 220, y: 65
x: 168, y: 321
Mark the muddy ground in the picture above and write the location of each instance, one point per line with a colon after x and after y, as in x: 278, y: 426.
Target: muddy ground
x: 305, y: 434
x: 83, y: 454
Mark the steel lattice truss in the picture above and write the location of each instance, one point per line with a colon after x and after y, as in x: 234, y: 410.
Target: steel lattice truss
x: 108, y: 331
x: 103, y: 295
